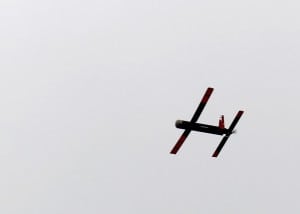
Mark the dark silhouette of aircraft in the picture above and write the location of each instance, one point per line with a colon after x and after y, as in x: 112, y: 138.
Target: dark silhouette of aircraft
x: 189, y: 126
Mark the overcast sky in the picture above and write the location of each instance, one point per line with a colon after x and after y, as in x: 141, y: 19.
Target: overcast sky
x: 90, y: 91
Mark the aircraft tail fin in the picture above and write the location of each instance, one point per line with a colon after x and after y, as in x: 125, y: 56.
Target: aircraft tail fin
x: 221, y: 122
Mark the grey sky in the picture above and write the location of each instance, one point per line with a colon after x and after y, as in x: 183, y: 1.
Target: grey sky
x: 90, y: 91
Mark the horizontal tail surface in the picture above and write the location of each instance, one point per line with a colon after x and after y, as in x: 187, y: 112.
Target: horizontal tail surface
x: 230, y: 131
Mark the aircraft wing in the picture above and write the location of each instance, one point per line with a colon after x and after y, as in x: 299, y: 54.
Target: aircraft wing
x: 202, y: 105
x: 230, y: 130
x: 194, y: 119
x: 220, y: 146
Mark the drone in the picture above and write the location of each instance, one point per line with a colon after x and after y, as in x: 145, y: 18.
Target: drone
x: 191, y: 125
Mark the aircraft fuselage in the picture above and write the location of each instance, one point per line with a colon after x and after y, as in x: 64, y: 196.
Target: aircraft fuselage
x: 181, y: 124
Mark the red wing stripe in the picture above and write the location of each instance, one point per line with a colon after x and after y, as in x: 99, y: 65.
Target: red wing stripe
x: 180, y: 141
x: 207, y: 95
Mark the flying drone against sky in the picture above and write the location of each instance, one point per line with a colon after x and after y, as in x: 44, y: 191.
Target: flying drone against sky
x: 189, y: 126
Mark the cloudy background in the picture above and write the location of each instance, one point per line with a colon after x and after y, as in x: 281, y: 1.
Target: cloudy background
x: 90, y: 91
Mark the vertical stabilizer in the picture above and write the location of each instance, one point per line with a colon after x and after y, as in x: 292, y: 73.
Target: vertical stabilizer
x: 221, y: 122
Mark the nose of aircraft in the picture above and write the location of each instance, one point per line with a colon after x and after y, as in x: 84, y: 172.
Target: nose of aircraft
x: 178, y: 123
